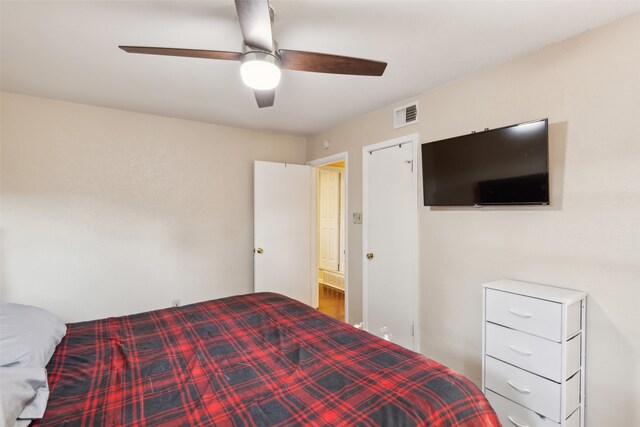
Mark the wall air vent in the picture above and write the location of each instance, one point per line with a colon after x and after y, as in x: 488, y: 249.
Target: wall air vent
x: 405, y: 115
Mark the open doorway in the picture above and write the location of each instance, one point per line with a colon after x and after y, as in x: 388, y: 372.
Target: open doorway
x: 330, y: 228
x: 330, y: 259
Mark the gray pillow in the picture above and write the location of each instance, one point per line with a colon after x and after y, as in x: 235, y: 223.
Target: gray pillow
x: 23, y: 395
x: 28, y: 335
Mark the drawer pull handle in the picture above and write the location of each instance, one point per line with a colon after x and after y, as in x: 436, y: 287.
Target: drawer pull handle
x: 515, y: 423
x: 518, y: 388
x: 520, y: 350
x: 520, y: 313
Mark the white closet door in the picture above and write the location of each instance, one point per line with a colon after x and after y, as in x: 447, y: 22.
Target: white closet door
x: 329, y: 215
x: 282, y: 229
x: 390, y: 240
x: 343, y: 221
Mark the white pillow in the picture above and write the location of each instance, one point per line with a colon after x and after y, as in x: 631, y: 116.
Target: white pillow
x: 28, y: 335
x: 23, y: 395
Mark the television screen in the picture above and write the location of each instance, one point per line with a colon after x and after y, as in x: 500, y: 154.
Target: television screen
x: 504, y: 166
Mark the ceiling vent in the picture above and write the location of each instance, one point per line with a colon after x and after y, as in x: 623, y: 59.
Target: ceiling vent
x: 405, y: 115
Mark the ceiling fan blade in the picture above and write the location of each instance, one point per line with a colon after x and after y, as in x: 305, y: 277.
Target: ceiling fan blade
x: 265, y: 98
x: 189, y: 53
x: 333, y: 64
x: 255, y: 23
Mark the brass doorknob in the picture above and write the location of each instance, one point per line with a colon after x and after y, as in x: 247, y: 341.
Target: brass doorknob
x: 259, y: 250
x: 370, y: 255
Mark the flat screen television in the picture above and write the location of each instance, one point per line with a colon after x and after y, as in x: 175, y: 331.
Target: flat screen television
x: 504, y: 166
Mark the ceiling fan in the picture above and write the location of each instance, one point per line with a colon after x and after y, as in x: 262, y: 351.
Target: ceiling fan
x: 261, y: 58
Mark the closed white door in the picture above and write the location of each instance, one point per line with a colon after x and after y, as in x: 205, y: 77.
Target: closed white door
x: 343, y: 220
x: 282, y: 229
x: 329, y: 216
x: 390, y: 240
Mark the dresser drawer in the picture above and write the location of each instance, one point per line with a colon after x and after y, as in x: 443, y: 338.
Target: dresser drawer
x: 532, y: 315
x: 534, y: 354
x: 531, y: 391
x: 513, y: 415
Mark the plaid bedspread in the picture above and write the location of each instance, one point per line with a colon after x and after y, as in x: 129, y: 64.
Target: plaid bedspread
x: 252, y: 360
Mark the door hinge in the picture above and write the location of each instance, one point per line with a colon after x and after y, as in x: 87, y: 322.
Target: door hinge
x: 413, y: 329
x: 411, y: 163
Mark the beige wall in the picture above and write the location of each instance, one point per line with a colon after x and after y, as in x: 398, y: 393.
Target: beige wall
x: 107, y: 212
x: 589, y: 238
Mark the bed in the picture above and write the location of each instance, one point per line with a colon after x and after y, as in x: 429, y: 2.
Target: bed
x: 252, y: 360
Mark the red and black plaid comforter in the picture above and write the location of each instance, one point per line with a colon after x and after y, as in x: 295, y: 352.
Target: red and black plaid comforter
x: 252, y: 360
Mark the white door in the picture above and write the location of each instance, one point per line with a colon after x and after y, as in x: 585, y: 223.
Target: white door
x: 329, y: 216
x: 343, y: 220
x: 282, y: 229
x: 390, y: 239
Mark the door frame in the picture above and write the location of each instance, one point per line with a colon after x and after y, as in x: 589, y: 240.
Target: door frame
x: 412, y: 139
x: 314, y: 224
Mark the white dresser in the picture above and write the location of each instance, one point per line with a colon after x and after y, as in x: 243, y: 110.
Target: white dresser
x: 533, y: 353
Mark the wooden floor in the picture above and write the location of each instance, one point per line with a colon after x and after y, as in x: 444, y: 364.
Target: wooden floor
x: 331, y: 302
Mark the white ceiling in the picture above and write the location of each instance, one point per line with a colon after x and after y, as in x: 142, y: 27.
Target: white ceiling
x: 68, y: 50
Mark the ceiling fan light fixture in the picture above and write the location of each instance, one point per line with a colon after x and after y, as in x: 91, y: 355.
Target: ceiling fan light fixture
x: 260, y: 70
